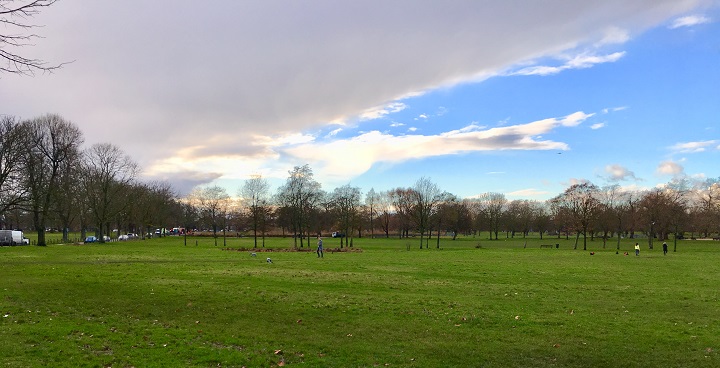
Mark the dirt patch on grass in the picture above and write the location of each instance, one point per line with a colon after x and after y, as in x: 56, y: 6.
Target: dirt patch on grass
x: 265, y: 250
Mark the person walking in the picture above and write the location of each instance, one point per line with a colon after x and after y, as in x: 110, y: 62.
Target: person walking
x: 665, y: 248
x: 637, y: 249
x: 319, y: 248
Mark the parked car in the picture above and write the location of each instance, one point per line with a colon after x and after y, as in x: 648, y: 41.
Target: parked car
x: 123, y: 237
x: 13, y: 237
x: 337, y: 234
x: 91, y: 239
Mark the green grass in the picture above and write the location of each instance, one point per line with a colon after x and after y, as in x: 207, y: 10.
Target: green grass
x: 474, y: 302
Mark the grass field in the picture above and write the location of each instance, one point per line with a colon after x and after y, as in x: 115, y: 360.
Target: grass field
x: 472, y: 303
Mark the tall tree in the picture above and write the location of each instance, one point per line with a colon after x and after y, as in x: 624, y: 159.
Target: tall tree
x: 401, y: 201
x: 51, y: 142
x: 12, y: 149
x: 255, y: 194
x: 300, y: 194
x: 384, y: 209
x: 494, y: 206
x: 107, y: 175
x: 68, y: 201
x: 581, y: 202
x: 213, y: 203
x: 346, y: 202
x: 371, y: 202
x: 426, y: 196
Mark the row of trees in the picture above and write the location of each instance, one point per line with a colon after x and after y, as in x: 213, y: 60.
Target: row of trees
x: 302, y: 209
x: 48, y: 182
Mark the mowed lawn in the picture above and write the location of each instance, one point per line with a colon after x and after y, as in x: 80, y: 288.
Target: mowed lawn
x: 472, y: 303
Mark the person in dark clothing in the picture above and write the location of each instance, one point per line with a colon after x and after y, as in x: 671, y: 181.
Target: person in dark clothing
x: 319, y: 248
x: 665, y: 248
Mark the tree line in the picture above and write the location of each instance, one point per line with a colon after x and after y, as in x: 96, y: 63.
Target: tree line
x: 302, y: 209
x: 48, y: 183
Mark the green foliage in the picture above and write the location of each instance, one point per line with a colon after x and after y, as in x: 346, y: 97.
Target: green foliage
x: 503, y: 304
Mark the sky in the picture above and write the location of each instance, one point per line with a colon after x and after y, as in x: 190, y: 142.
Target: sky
x: 523, y: 98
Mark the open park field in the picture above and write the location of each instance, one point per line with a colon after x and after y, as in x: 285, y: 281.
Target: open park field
x: 472, y: 303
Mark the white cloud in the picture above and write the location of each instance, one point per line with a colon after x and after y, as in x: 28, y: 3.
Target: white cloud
x: 581, y: 61
x: 670, y: 168
x: 614, y: 109
x: 693, y: 147
x: 373, y: 147
x: 689, y: 21
x: 597, y: 126
x: 617, y: 172
x: 380, y: 111
x: 266, y: 70
x: 575, y: 119
x: 333, y: 133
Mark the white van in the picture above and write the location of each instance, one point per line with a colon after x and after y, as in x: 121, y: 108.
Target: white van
x: 13, y: 237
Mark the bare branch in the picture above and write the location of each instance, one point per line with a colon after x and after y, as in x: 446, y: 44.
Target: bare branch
x: 14, y: 16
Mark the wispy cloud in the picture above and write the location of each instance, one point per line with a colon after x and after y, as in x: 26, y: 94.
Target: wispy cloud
x: 380, y: 111
x: 577, y: 62
x: 597, y: 126
x: 689, y: 21
x: 333, y: 133
x: 694, y: 147
x: 614, y: 109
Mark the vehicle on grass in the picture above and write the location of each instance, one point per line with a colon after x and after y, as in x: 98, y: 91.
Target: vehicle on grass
x: 123, y: 237
x: 13, y: 237
x: 91, y: 239
x: 337, y: 234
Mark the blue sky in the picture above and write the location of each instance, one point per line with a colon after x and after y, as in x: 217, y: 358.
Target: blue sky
x: 477, y: 96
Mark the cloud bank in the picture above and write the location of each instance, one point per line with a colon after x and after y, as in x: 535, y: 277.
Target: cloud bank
x: 233, y: 88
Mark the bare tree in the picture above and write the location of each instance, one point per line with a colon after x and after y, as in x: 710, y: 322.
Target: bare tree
x: 255, y: 192
x: 494, y: 206
x: 663, y: 210
x: 706, y: 207
x: 426, y: 196
x: 213, y: 204
x: 300, y: 195
x: 541, y: 216
x: 106, y: 179
x: 12, y: 144
x: 371, y: 203
x: 67, y: 200
x: 384, y: 210
x: 581, y: 203
x: 17, y: 33
x: 346, y: 203
x: 51, y: 141
x: 401, y: 201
